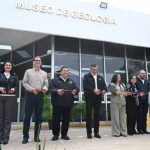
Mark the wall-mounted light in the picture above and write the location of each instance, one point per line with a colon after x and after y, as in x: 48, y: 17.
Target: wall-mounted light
x: 104, y: 5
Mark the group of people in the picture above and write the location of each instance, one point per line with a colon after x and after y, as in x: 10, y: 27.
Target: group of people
x: 130, y: 100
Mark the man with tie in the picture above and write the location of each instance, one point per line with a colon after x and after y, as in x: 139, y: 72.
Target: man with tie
x: 94, y: 87
x: 142, y: 86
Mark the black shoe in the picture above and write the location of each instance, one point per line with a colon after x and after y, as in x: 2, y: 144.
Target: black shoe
x: 135, y: 132
x: 146, y: 132
x: 65, y: 137
x: 140, y: 132
x: 124, y: 135
x: 5, y: 141
x: 116, y: 135
x: 25, y: 141
x: 97, y: 136
x: 37, y: 140
x: 89, y: 136
x: 1, y: 142
x: 131, y: 134
x: 55, y: 138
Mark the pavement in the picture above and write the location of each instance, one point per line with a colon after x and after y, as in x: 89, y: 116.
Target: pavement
x: 78, y: 141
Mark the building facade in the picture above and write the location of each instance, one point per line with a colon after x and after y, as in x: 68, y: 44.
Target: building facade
x: 76, y: 34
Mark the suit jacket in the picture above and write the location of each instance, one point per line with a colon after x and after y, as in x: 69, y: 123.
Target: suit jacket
x: 143, y: 88
x: 117, y: 99
x: 89, y: 86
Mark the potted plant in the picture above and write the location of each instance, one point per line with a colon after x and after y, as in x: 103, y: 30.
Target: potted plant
x: 47, y: 110
x: 78, y: 111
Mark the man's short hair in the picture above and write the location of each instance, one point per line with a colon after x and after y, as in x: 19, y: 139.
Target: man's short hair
x: 63, y: 68
x: 36, y: 57
x: 94, y: 65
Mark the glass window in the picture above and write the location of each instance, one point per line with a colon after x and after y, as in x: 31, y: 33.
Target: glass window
x: 67, y: 53
x: 148, y: 67
x: 114, y: 61
x: 136, y: 61
x: 134, y: 66
x: 43, y: 46
x: 20, y: 69
x: 148, y: 54
x: 46, y: 65
x: 134, y: 52
x: 23, y: 54
x: 91, y: 53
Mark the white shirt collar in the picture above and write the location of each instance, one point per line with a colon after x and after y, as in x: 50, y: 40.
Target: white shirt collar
x: 7, y: 74
x: 63, y: 78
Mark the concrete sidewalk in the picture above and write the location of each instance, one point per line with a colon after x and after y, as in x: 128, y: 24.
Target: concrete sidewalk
x: 78, y: 141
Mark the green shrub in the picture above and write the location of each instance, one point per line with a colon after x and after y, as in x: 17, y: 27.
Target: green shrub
x: 47, y: 108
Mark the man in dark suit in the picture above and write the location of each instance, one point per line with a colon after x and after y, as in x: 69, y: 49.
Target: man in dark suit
x: 94, y: 87
x: 142, y: 86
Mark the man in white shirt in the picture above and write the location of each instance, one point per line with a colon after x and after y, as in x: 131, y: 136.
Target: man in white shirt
x: 94, y: 87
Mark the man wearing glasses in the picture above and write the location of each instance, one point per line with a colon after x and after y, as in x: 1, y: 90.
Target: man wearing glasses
x: 94, y: 87
x: 36, y: 83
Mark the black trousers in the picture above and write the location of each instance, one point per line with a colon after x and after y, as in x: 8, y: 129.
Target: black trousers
x: 92, y: 104
x: 142, y: 115
x: 131, y: 110
x: 61, y: 113
x: 6, y: 113
x: 33, y: 102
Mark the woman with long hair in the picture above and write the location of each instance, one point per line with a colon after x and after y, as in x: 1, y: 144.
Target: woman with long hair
x: 118, y: 106
x: 8, y: 90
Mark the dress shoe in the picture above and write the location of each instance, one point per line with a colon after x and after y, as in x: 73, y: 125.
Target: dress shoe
x: 131, y: 134
x: 5, y: 141
x: 1, y: 142
x: 55, y: 138
x: 65, y: 137
x: 25, y: 141
x: 124, y: 135
x: 97, y: 136
x: 146, y: 132
x: 140, y: 132
x: 89, y: 136
x: 116, y: 135
x: 135, y: 132
x: 37, y: 140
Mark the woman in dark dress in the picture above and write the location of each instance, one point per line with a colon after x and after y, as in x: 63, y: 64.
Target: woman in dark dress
x: 8, y: 89
x: 131, y: 105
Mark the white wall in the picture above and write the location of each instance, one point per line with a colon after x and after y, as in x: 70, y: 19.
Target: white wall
x: 132, y: 28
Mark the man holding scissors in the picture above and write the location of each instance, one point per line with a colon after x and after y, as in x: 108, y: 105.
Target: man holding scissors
x: 94, y: 87
x: 63, y: 90
x: 36, y: 83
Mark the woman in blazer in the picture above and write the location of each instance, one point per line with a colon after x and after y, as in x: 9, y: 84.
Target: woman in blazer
x: 8, y: 89
x: 118, y: 106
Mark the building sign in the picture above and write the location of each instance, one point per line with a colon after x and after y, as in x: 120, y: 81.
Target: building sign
x: 64, y: 12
